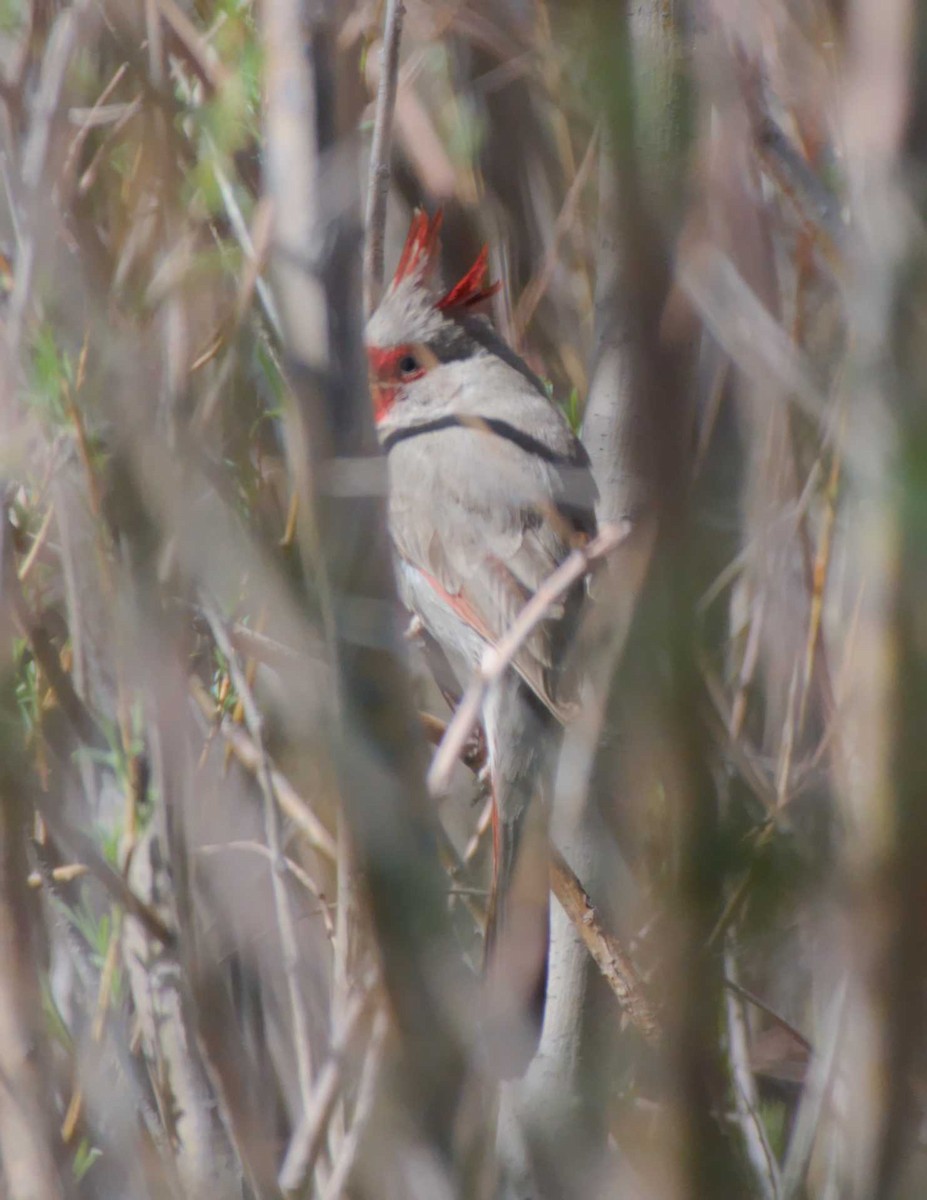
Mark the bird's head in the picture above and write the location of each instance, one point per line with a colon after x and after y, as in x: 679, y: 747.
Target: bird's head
x: 416, y: 330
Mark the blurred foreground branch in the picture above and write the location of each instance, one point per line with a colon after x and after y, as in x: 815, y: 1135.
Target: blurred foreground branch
x: 28, y: 1135
x: 378, y: 744
x: 380, y: 148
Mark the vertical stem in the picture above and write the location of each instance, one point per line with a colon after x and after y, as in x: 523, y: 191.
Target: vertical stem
x: 378, y: 180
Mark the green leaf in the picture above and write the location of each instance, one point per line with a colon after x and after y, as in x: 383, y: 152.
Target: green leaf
x: 84, y: 1157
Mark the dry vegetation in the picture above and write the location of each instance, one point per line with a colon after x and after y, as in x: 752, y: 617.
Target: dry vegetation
x: 239, y: 938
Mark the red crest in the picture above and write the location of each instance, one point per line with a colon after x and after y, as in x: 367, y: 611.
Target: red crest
x: 420, y: 254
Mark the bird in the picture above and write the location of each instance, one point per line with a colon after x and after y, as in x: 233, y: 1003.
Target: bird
x: 489, y: 489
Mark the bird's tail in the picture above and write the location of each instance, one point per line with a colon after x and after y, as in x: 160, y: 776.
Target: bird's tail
x: 522, y: 740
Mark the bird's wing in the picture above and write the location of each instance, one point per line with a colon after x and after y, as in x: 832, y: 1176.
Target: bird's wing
x: 485, y: 522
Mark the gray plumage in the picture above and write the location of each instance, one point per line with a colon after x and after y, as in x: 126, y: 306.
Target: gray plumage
x: 489, y: 491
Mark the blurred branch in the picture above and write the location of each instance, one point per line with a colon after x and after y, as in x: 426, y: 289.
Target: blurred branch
x: 632, y: 425
x: 165, y: 1015
x: 816, y: 207
x: 615, y: 417
x: 379, y: 175
x: 83, y: 848
x: 285, y: 922
x: 253, y: 255
x: 292, y: 180
x: 195, y: 49
x: 777, y: 1019
x: 292, y: 867
x: 80, y: 718
x: 759, y: 1152
x: 747, y: 330
x: 498, y: 658
x: 363, y: 1107
x: 267, y: 649
x: 540, y: 281
x: 69, y: 29
x: 308, y: 1137
x: 886, y: 162
x: 27, y: 1133
x: 377, y: 747
x: 819, y: 1082
x: 248, y: 754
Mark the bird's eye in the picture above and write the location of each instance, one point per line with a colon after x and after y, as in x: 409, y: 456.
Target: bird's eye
x: 408, y: 364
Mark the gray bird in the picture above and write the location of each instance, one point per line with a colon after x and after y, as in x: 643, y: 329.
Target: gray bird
x: 489, y: 490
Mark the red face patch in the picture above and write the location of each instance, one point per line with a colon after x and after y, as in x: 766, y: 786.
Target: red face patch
x: 390, y: 370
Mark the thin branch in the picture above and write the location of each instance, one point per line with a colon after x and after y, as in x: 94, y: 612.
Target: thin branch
x: 483, y: 825
x: 540, y: 281
x: 195, y: 49
x: 473, y: 754
x: 267, y: 650
x: 83, y: 848
x: 240, y: 228
x: 287, y: 927
x: 498, y: 658
x: 748, y: 331
x: 818, y: 1083
x: 738, y: 989
x: 292, y: 805
x: 817, y: 208
x: 306, y: 1143
x: 378, y: 180
x: 303, y: 877
x: 366, y: 1093
x: 38, y: 543
x: 88, y: 118
x: 612, y: 959
x: 68, y: 33
x: 79, y: 716
x: 27, y: 1138
x: 746, y: 1100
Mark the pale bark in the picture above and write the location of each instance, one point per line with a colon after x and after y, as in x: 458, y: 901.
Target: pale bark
x: 562, y: 1099
x: 27, y: 1133
x: 205, y: 1159
x: 377, y: 745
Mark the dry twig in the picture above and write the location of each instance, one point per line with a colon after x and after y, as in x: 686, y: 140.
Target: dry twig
x: 80, y: 846
x: 609, y: 955
x: 746, y: 1100
x: 539, y: 283
x: 306, y: 1143
x: 286, y: 925
x: 292, y: 805
x: 498, y: 658
x: 366, y: 1091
